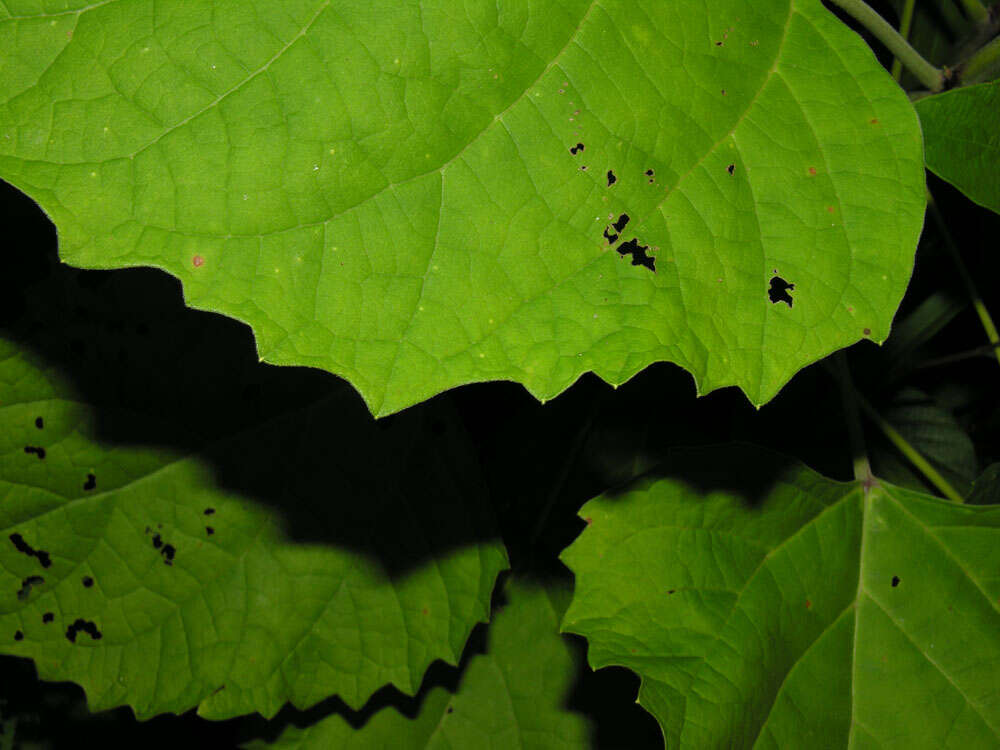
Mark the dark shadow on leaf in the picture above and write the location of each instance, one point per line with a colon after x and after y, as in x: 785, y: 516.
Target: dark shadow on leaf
x: 294, y: 440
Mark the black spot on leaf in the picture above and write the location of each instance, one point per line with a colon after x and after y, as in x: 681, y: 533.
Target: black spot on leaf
x: 577, y: 148
x: 622, y: 221
x: 779, y: 291
x: 611, y: 178
x: 87, y: 582
x: 168, y: 553
x: 731, y: 169
x: 209, y: 530
x: 85, y: 626
x: 39, y: 423
x: 26, y: 585
x: 47, y: 618
x: 649, y: 173
x: 451, y: 709
x: 157, y: 541
x: 37, y: 450
x: 91, y: 482
x: 610, y: 236
x: 18, y: 636
x: 638, y: 253
x: 209, y: 511
x: 895, y: 581
x: 22, y: 546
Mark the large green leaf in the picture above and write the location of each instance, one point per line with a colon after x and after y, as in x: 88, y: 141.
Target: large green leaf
x: 417, y: 195
x: 764, y: 605
x: 513, y: 696
x: 963, y: 144
x: 182, y: 526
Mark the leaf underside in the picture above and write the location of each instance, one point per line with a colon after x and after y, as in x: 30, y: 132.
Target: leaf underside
x: 419, y: 195
x: 764, y: 605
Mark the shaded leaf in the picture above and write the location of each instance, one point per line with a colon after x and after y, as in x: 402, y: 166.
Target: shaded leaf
x: 191, y: 528
x: 962, y: 141
x: 986, y: 489
x: 415, y: 198
x: 512, y: 696
x: 764, y: 605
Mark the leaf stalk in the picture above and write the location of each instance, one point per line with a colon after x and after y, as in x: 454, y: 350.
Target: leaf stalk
x: 931, y: 77
x: 905, y: 22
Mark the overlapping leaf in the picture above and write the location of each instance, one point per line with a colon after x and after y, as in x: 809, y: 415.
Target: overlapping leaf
x: 422, y: 194
x: 180, y: 526
x: 963, y: 145
x: 766, y: 606
x: 512, y: 696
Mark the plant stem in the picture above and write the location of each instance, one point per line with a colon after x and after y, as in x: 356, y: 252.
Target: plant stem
x: 927, y: 74
x: 905, y: 21
x: 975, y: 10
x: 977, y: 302
x: 849, y: 396
x: 983, y: 65
x: 979, y: 351
x: 932, y: 475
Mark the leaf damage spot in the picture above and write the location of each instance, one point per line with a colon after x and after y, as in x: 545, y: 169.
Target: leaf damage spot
x: 808, y: 604
x: 812, y: 171
x: 87, y: 582
x: 611, y: 178
x: 209, y: 511
x: 25, y: 591
x: 779, y: 291
x: 731, y: 169
x: 39, y: 423
x: 47, y: 618
x: 22, y: 546
x: 167, y: 550
x: 197, y: 261
x: 639, y: 254
x: 86, y: 626
x: 37, y: 450
x: 895, y: 581
x: 18, y: 636
x: 91, y: 482
x: 867, y: 331
x: 576, y: 149
x: 209, y: 530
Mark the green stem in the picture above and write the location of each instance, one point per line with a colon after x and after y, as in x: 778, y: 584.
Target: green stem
x: 976, y: 11
x: 911, y: 453
x: 927, y: 74
x: 979, y: 351
x: 905, y: 22
x: 856, y: 435
x: 977, y: 302
x: 983, y: 65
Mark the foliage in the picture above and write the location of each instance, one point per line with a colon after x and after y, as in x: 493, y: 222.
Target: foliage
x: 421, y: 195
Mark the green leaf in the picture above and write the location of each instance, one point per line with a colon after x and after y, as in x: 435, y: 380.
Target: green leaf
x: 764, y: 605
x: 935, y: 433
x: 182, y: 542
x: 389, y: 191
x: 512, y: 696
x: 986, y: 488
x: 962, y: 142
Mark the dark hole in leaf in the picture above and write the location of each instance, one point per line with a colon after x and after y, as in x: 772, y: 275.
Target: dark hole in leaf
x: 622, y: 221
x: 731, y: 169
x: 157, y: 541
x: 638, y: 253
x: 611, y: 178
x: 649, y: 173
x: 779, y: 291
x: 168, y: 553
x: 81, y: 625
x: 87, y: 582
x: 91, y: 482
x: 209, y: 530
x: 48, y: 617
x: 39, y: 423
x: 670, y: 591
x: 38, y: 451
x: 574, y: 149
x: 451, y: 709
x: 209, y: 511
x: 610, y: 236
x: 718, y: 44
x: 18, y: 636
x: 26, y: 585
x: 583, y: 168
x: 895, y: 581
x: 22, y: 546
